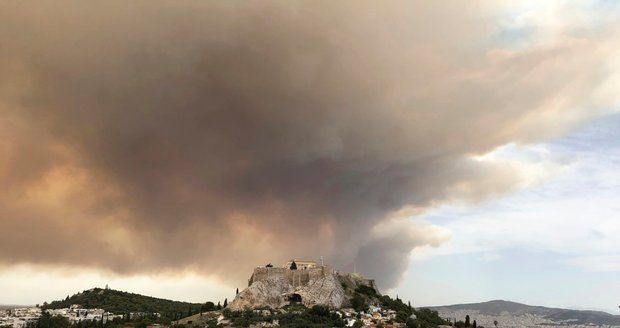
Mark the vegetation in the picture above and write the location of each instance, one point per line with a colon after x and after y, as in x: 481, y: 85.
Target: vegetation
x: 366, y: 290
x: 120, y: 302
x: 425, y: 318
x: 149, y: 309
x: 48, y: 321
x: 297, y: 315
x: 466, y: 323
x: 294, y: 316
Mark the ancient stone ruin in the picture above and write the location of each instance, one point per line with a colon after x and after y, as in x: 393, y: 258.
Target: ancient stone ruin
x: 304, y: 282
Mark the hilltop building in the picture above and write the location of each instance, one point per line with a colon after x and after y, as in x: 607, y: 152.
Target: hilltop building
x: 301, y: 281
x: 306, y: 271
x: 301, y: 264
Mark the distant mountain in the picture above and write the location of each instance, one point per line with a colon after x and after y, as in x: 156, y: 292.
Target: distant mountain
x: 12, y: 306
x: 499, y: 307
x: 116, y: 301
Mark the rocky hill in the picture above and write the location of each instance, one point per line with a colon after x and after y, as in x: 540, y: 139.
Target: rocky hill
x: 329, y: 289
x: 513, y: 314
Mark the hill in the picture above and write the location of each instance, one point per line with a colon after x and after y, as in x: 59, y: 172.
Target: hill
x: 499, y: 308
x: 12, y: 306
x: 120, y: 302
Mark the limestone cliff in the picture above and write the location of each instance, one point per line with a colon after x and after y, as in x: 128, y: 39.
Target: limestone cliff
x: 275, y: 291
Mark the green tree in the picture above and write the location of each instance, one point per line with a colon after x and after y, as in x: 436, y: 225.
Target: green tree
x: 475, y: 325
x: 225, y: 302
x: 48, y: 321
x: 467, y: 324
x: 293, y: 266
x: 209, y: 306
x: 358, y: 302
x: 319, y: 310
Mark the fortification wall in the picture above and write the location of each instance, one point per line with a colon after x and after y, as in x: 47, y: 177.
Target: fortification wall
x: 294, y: 277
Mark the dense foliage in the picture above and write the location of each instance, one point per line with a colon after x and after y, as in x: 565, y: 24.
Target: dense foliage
x: 48, y: 321
x: 426, y: 318
x: 467, y: 323
x: 293, y: 316
x: 120, y: 302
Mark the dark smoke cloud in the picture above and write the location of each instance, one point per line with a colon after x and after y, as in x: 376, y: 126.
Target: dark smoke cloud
x: 215, y: 136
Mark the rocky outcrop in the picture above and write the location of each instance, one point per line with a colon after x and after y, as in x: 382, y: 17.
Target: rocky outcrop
x: 266, y: 293
x: 323, y: 291
x: 276, y: 292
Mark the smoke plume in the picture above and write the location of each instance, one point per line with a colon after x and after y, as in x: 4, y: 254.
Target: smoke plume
x: 214, y: 136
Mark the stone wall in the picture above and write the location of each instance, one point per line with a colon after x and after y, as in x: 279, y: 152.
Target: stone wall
x: 294, y: 277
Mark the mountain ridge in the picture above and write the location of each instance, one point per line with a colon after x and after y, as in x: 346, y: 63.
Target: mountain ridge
x: 497, y: 307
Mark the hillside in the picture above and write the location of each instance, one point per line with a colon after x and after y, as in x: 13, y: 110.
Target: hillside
x: 122, y: 302
x: 499, y: 308
x: 12, y: 306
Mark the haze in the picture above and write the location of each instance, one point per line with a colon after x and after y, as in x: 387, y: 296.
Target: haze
x: 454, y: 151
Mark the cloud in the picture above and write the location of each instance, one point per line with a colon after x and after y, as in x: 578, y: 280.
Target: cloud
x: 156, y: 137
x: 572, y: 217
x: 597, y: 263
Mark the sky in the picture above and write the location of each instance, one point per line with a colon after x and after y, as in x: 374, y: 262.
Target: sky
x: 454, y: 151
x: 554, y: 243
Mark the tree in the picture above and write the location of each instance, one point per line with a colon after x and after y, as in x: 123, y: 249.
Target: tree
x: 219, y: 306
x: 358, y: 302
x: 48, y: 321
x: 225, y: 302
x: 495, y: 323
x: 293, y: 265
x: 467, y: 324
x: 237, y: 291
x: 319, y: 311
x: 475, y: 324
x: 209, y: 306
